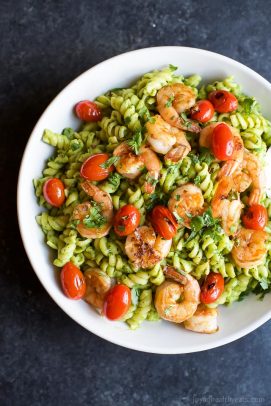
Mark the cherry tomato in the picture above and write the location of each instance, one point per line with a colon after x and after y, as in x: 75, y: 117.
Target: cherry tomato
x: 212, y: 288
x: 73, y: 281
x: 203, y: 111
x: 126, y: 220
x: 117, y: 302
x: 91, y: 169
x: 88, y: 111
x: 223, y: 101
x: 255, y: 217
x: 53, y: 192
x: 163, y: 222
x: 222, y: 142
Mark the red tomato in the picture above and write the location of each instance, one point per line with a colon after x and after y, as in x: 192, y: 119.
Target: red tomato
x: 203, y: 111
x: 126, y: 220
x: 73, y: 281
x: 163, y: 222
x: 212, y: 288
x: 88, y: 111
x: 91, y: 169
x: 222, y: 142
x: 255, y: 217
x: 223, y: 101
x: 117, y: 302
x: 53, y: 192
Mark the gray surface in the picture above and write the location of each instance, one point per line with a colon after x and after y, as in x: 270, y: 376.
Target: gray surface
x: 46, y: 358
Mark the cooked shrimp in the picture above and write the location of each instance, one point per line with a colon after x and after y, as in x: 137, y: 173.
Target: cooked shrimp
x: 145, y: 249
x: 228, y: 210
x: 177, y: 302
x: 187, y: 201
x: 253, y: 167
x: 228, y: 168
x: 172, y: 100
x: 167, y: 140
x: 249, y: 248
x: 204, y: 320
x: 101, y: 211
x: 98, y: 284
x: 131, y: 166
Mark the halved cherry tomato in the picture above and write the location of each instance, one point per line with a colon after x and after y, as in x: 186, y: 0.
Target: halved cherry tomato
x: 53, y: 192
x: 117, y: 302
x: 223, y: 101
x: 255, y: 217
x: 87, y: 110
x: 73, y: 281
x: 163, y: 222
x: 222, y: 142
x: 91, y: 169
x: 202, y: 111
x: 212, y: 288
x: 126, y: 220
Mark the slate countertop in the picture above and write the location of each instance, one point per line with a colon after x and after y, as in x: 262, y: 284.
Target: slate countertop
x: 46, y: 358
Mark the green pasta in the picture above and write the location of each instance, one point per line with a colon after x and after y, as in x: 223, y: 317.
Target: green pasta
x: 200, y: 245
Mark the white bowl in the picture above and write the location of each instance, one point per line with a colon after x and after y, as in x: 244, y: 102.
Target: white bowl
x: 156, y: 337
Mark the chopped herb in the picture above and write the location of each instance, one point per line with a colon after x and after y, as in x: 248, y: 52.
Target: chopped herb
x: 114, y: 179
x: 135, y: 142
x: 68, y: 132
x: 110, y: 161
x: 172, y: 67
x: 179, y: 219
x: 127, y: 120
x: 187, y: 122
x: 94, y: 219
x: 169, y: 102
x: 189, y: 215
x: 75, y: 145
x: 197, y: 180
x: 177, y: 197
x: 233, y: 195
x: 232, y: 229
x: 206, y: 156
x: 198, y: 223
x: 151, y: 180
x: 248, y: 104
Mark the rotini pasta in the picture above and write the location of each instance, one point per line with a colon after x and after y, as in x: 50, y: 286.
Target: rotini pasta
x: 196, y: 233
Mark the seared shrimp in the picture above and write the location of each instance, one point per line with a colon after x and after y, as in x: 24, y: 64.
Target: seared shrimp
x: 172, y: 100
x: 98, y: 284
x: 187, y: 201
x: 228, y: 210
x: 249, y: 248
x: 167, y: 140
x: 131, y: 166
x: 145, y: 249
x: 228, y: 168
x: 204, y: 320
x: 252, y: 166
x: 94, y: 219
x: 177, y: 302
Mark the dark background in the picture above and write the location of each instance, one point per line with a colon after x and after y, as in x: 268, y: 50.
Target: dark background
x: 46, y: 358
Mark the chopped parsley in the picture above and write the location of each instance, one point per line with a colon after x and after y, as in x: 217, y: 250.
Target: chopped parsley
x: 172, y: 67
x: 186, y: 121
x: 206, y: 156
x: 197, y: 180
x: 110, y: 161
x: 95, y: 218
x: 248, y: 104
x: 198, y: 223
x: 152, y: 120
x: 169, y: 102
x: 135, y: 142
x: 151, y: 180
x: 179, y: 219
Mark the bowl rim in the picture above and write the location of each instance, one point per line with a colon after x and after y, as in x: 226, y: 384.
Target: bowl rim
x: 139, y: 347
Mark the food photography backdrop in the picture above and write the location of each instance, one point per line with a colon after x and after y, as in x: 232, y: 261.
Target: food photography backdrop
x: 46, y: 358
